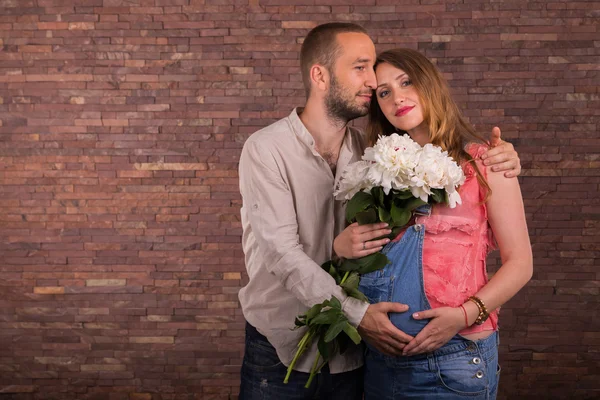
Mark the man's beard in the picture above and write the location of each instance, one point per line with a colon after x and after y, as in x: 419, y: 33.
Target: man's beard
x: 339, y: 107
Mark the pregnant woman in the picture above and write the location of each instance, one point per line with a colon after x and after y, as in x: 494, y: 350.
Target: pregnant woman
x: 438, y: 263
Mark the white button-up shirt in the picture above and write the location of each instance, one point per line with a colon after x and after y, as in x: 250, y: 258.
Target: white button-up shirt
x: 289, y: 220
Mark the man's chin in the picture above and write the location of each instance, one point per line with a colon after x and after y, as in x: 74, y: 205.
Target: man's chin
x: 363, y: 110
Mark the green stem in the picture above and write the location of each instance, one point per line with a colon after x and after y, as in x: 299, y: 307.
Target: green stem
x: 313, y: 370
x: 345, y: 277
x: 301, y: 347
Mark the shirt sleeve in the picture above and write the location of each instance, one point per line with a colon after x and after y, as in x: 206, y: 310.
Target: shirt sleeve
x: 269, y: 204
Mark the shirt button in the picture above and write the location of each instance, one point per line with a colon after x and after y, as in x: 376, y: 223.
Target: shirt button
x: 479, y: 374
x: 418, y: 228
x: 476, y: 360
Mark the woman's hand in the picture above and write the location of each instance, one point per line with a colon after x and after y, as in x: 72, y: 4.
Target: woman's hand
x: 444, y: 324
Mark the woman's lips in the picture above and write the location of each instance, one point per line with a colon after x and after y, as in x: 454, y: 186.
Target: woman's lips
x: 403, y: 111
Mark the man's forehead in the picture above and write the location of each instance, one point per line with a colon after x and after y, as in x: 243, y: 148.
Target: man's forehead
x: 356, y: 47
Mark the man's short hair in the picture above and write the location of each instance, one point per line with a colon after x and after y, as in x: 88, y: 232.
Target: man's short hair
x: 321, y: 47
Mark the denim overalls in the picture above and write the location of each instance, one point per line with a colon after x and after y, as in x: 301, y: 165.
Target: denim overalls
x: 460, y: 369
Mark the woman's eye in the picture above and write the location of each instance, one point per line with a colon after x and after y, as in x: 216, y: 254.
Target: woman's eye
x: 360, y: 68
x: 406, y: 83
x: 383, y: 93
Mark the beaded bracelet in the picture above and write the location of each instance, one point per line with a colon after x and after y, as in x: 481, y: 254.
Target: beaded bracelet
x: 483, y: 312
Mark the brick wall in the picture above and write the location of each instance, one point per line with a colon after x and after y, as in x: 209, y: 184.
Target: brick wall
x: 121, y: 124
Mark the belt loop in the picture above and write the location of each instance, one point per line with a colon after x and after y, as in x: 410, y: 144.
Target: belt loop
x: 431, y: 362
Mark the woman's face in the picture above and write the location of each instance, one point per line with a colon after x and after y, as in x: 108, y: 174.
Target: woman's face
x: 399, y: 100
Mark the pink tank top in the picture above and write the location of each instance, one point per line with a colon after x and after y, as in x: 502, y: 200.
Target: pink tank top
x: 457, y: 241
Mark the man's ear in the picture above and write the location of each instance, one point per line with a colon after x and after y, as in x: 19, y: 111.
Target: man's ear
x: 319, y: 77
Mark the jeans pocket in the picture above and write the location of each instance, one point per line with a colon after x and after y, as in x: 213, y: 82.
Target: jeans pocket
x: 261, y: 356
x: 375, y: 289
x: 494, y: 382
x: 463, y: 375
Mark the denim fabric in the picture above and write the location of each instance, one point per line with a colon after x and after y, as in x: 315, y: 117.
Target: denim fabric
x: 465, y: 370
x: 263, y: 374
x: 461, y: 368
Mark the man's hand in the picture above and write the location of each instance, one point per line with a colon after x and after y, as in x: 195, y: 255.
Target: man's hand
x: 357, y: 240
x: 502, y: 156
x: 444, y: 324
x: 377, y: 329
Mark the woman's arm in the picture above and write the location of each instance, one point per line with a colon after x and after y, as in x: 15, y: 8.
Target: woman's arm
x: 506, y: 216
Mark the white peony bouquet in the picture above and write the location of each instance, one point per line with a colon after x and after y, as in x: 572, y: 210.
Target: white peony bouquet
x: 397, y: 163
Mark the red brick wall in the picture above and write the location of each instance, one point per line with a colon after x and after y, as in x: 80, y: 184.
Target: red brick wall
x: 121, y: 123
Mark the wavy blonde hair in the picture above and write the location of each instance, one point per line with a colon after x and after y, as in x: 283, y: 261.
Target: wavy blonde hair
x: 447, y: 126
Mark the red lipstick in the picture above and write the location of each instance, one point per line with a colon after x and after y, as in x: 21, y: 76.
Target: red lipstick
x: 403, y: 111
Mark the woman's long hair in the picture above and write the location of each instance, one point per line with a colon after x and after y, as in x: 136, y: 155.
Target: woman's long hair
x: 448, y: 129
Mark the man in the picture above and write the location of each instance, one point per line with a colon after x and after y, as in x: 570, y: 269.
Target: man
x: 288, y: 171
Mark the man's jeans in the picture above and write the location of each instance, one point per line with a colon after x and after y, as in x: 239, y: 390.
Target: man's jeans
x: 263, y: 374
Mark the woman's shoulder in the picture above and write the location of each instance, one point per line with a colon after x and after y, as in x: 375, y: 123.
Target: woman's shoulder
x: 476, y: 149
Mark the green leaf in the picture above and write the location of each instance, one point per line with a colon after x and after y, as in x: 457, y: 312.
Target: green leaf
x: 400, y: 215
x: 359, y: 202
x: 299, y: 322
x: 372, y: 262
x: 326, y: 317
x: 395, y: 232
x: 367, y: 217
x: 357, y: 294
x: 402, y: 195
x: 349, y: 265
x: 335, y: 330
x: 330, y: 268
x: 335, y: 303
x: 314, y: 311
x: 438, y: 195
x: 378, y: 196
x: 414, y: 203
x: 326, y: 265
x: 352, y: 281
x: 384, y: 215
x: 352, y: 333
x: 364, y: 265
x: 323, y: 347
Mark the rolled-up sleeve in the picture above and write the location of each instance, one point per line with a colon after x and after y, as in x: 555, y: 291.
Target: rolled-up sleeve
x: 272, y: 216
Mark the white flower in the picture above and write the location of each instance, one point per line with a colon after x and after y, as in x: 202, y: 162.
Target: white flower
x: 455, y: 178
x: 354, y: 179
x: 453, y: 198
x: 393, y: 160
x: 397, y: 162
x: 437, y: 170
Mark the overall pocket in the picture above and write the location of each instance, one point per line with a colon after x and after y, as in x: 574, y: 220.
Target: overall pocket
x: 465, y: 375
x: 376, y: 289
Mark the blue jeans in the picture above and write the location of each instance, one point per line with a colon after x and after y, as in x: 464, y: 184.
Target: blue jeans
x: 263, y: 374
x: 465, y: 370
x: 460, y: 369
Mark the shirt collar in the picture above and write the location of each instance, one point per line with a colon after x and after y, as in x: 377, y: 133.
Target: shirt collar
x: 305, y: 137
